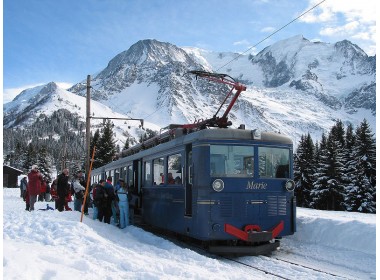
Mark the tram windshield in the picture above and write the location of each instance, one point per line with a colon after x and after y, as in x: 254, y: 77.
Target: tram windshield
x: 231, y: 161
x: 273, y: 162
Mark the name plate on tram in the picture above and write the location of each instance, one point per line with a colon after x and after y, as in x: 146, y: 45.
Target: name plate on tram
x: 251, y: 185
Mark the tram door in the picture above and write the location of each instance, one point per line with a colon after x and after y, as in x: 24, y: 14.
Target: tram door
x: 137, y: 179
x: 189, y: 180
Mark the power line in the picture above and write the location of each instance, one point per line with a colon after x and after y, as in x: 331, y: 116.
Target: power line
x: 159, y: 108
x: 270, y: 35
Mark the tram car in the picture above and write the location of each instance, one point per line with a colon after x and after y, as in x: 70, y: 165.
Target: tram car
x: 231, y: 189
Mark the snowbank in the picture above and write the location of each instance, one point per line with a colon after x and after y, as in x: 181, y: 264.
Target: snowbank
x: 343, y: 230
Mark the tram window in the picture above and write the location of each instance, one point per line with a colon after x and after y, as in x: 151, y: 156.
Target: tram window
x: 148, y: 175
x: 175, y: 169
x: 117, y: 175
x: 123, y: 172
x: 273, y: 162
x: 158, y: 171
x: 231, y: 161
x: 130, y: 176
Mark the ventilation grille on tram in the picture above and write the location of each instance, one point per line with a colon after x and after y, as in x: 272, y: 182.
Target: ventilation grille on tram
x: 276, y: 205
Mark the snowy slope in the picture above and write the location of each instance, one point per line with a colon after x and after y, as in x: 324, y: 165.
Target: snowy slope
x: 49, y: 98
x: 54, y: 245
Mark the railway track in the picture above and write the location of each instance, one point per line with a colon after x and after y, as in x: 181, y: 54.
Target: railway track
x: 255, y: 267
x: 312, y: 268
x: 323, y: 274
x: 278, y: 262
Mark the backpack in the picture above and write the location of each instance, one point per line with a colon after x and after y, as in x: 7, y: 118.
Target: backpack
x: 99, y: 195
x: 23, y: 184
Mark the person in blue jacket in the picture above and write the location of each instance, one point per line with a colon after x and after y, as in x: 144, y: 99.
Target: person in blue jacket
x: 123, y: 204
x: 114, y: 206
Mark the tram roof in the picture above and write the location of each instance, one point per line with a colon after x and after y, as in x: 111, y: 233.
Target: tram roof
x: 241, y: 134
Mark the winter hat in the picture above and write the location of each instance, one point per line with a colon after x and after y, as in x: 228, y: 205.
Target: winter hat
x: 34, y: 167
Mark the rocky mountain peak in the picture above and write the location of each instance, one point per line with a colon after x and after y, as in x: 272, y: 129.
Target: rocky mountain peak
x: 37, y: 92
x: 349, y: 49
x: 147, y: 60
x: 355, y: 60
x: 49, y: 88
x: 147, y: 52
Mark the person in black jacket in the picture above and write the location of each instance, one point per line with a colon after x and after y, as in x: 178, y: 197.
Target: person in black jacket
x: 104, y: 197
x: 62, y: 189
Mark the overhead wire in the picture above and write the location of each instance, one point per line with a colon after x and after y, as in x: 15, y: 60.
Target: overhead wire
x: 270, y: 35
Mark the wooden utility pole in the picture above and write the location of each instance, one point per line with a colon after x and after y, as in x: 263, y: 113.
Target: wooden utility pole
x: 88, y: 125
x: 88, y: 183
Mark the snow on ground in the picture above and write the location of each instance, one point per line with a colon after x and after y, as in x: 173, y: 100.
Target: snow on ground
x: 52, y: 245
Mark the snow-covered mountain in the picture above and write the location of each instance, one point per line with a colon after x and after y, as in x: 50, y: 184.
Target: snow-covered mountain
x: 293, y: 86
x: 46, y: 99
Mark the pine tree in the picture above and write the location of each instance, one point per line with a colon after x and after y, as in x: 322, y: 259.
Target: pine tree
x: 336, y: 148
x: 350, y: 176
x: 107, y: 148
x: 320, y: 192
x: 361, y: 192
x: 350, y: 138
x: 365, y: 150
x: 338, y: 133
x: 94, y: 142
x: 328, y: 188
x: 335, y: 173
x: 304, y: 162
x: 30, y: 158
x: 44, y: 163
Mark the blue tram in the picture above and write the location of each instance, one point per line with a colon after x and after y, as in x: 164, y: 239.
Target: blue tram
x: 232, y: 189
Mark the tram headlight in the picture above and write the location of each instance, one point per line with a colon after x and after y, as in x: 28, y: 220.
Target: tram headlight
x: 218, y: 185
x: 290, y: 185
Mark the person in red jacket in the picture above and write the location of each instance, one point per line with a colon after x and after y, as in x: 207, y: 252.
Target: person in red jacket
x: 41, y: 197
x: 34, y: 186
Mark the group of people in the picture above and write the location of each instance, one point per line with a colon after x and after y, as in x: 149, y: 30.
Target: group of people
x: 110, y: 201
x: 107, y: 201
x: 63, y: 190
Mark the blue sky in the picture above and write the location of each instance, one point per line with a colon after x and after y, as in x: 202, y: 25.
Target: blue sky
x: 64, y: 41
